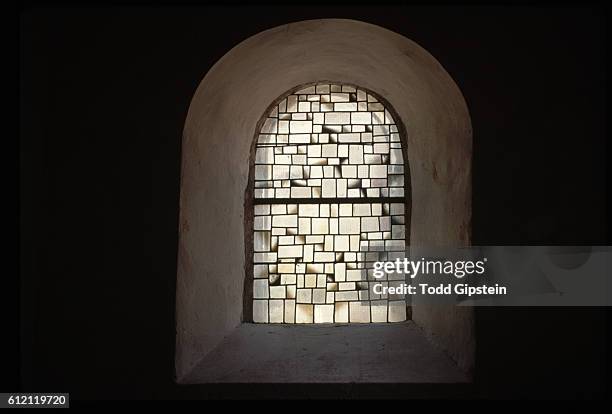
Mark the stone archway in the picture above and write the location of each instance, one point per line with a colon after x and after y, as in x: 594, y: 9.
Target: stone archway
x: 215, y: 165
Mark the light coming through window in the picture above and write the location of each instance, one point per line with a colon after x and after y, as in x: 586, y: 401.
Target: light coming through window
x: 329, y: 201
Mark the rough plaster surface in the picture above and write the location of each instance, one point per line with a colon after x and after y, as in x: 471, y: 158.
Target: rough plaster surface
x: 217, y: 139
x: 380, y: 353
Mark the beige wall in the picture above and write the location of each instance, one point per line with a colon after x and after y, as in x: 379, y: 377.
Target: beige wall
x: 217, y: 140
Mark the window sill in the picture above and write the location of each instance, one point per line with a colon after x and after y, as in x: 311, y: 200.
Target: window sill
x: 334, y: 353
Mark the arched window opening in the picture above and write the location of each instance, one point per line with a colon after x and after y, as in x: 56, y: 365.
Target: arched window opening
x: 330, y: 189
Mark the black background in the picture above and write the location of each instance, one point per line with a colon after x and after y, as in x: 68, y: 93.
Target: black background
x: 104, y: 94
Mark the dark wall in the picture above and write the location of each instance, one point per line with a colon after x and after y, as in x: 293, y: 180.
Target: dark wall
x: 104, y: 95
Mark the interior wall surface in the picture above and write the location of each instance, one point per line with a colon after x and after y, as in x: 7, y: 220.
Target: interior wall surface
x: 216, y: 150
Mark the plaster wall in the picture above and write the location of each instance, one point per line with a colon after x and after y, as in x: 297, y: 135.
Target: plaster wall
x: 217, y: 140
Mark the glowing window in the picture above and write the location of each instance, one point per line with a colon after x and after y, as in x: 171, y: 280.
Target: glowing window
x: 329, y: 201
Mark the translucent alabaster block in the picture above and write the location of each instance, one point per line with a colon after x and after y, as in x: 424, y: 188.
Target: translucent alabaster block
x: 260, y: 271
x: 359, y: 312
x: 345, y: 106
x: 262, y: 209
x: 341, y: 311
x: 361, y: 118
x: 304, y: 313
x: 276, y: 309
x: 378, y: 171
x: 349, y: 225
x: 280, y: 172
x: 264, y: 155
x: 270, y: 126
x: 379, y: 311
x: 260, y: 311
x: 397, y: 311
x: 260, y: 289
x: 335, y: 118
x: 324, y: 313
x: 262, y: 241
x: 318, y: 295
x: 340, y: 97
x: 320, y: 226
x: 346, y: 296
x: 289, y: 251
x: 322, y: 89
x: 265, y: 257
x: 285, y: 220
x: 289, y: 311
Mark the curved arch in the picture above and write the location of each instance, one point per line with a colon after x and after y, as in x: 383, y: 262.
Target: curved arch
x: 217, y: 141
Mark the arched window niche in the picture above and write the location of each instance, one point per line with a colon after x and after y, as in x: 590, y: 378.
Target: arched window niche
x: 329, y: 196
x: 215, y: 270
